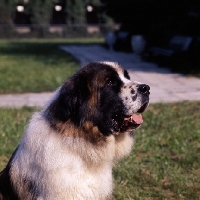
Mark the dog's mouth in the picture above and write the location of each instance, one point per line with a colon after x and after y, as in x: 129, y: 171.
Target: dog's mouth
x: 122, y: 123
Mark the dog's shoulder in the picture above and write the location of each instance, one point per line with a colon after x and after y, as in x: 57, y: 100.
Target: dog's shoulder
x: 7, y: 191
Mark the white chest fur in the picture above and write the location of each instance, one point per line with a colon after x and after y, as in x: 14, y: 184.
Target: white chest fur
x: 52, y: 167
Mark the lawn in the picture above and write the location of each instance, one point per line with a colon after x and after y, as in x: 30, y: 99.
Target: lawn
x: 164, y: 164
x: 39, y: 65
x: 36, y: 65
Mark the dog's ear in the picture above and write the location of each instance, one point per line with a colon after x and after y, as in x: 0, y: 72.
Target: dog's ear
x: 69, y: 100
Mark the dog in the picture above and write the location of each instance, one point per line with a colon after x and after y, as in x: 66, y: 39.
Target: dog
x: 70, y: 146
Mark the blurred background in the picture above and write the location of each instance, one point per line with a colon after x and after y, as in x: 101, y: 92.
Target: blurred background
x: 52, y: 18
x: 153, y: 18
x: 165, y: 32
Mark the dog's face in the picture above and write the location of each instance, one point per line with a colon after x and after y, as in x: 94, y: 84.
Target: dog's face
x: 100, y: 94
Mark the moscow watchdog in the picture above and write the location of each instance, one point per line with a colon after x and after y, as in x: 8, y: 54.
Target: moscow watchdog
x: 70, y: 146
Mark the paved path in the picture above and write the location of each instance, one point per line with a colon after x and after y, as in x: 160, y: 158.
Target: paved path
x: 165, y: 86
x: 28, y: 99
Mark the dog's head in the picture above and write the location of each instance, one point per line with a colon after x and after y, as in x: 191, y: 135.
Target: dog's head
x: 100, y: 95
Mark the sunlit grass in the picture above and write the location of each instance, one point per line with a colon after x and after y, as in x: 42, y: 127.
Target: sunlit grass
x: 13, y: 122
x: 164, y: 163
x: 36, y: 65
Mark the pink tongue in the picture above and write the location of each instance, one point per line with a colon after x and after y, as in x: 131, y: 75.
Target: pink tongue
x: 136, y: 118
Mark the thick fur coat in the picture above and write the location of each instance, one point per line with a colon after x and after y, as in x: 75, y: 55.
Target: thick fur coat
x: 70, y: 146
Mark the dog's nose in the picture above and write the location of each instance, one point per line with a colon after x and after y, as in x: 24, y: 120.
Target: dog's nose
x: 144, y: 89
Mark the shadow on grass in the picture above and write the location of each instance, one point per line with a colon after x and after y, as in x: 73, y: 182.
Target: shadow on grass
x: 41, y: 47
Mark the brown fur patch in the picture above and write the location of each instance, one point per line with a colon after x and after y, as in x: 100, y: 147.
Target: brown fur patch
x: 88, y: 132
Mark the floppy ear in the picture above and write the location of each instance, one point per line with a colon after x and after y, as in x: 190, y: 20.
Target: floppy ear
x: 69, y: 101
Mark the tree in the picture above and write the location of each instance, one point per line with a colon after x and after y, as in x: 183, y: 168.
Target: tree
x: 137, y: 15
x: 75, y: 11
x: 41, y: 11
x: 6, y: 11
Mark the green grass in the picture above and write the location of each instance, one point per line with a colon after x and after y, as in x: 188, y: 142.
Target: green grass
x: 36, y: 65
x: 13, y: 122
x: 164, y: 164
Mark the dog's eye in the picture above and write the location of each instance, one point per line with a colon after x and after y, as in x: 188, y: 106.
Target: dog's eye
x: 110, y: 82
